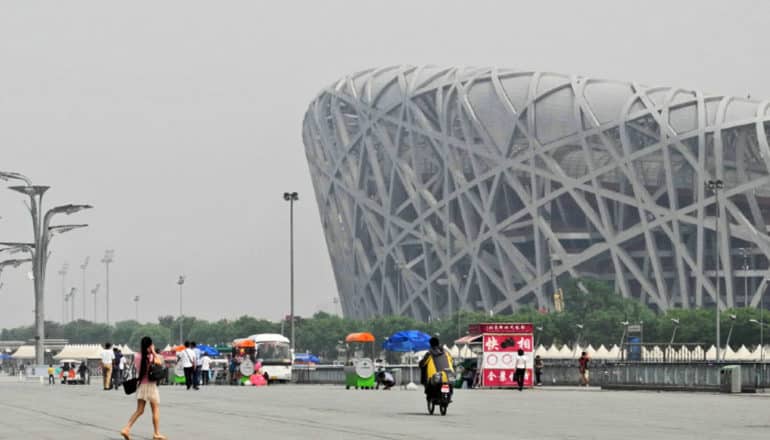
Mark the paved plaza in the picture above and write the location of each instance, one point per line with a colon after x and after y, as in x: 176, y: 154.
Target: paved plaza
x: 33, y: 411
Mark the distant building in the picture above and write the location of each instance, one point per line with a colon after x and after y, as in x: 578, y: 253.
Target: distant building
x: 482, y: 188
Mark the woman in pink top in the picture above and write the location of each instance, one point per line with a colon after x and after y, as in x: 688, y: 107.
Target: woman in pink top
x: 147, y: 391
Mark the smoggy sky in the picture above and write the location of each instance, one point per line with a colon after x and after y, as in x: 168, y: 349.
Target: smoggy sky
x: 180, y: 121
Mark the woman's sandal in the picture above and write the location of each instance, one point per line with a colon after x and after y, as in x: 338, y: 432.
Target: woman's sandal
x: 124, y: 433
x: 159, y: 437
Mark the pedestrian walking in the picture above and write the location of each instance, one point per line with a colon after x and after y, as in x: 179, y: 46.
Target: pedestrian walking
x: 539, y: 370
x: 583, y: 368
x: 147, y: 391
x: 117, y: 372
x: 186, y: 357
x: 51, y: 371
x: 83, y: 372
x: 197, y: 371
x: 520, y: 364
x: 107, y: 357
x: 206, y: 368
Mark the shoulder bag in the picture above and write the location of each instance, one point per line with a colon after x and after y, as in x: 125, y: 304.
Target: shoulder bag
x: 157, y: 372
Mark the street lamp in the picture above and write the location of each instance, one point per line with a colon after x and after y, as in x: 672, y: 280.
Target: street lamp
x: 580, y: 334
x: 729, y: 333
x: 291, y: 197
x: 745, y: 254
x: 109, y: 257
x: 71, y: 297
x: 673, y: 334
x: 63, y: 273
x: 42, y: 237
x: 94, y: 291
x: 180, y: 282
x: 136, y: 303
x: 83, y: 268
x: 715, y: 186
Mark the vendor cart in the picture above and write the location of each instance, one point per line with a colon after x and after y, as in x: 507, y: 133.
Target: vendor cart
x: 359, y: 365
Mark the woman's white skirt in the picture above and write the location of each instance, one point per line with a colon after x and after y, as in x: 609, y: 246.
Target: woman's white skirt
x: 148, y: 392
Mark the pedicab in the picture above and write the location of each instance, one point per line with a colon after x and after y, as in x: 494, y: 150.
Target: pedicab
x: 359, y: 367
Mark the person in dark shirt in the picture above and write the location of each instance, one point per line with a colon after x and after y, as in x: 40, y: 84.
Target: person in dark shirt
x: 583, y: 368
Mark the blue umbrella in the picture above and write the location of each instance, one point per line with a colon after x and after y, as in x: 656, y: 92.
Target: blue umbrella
x: 209, y: 350
x: 407, y: 340
x: 307, y: 358
x: 4, y: 356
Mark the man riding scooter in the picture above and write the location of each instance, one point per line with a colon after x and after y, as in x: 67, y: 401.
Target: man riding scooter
x: 434, y: 369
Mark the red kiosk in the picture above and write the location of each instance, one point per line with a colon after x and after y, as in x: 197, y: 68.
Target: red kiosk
x: 500, y: 342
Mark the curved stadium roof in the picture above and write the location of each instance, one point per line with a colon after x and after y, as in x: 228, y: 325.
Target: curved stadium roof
x: 482, y: 188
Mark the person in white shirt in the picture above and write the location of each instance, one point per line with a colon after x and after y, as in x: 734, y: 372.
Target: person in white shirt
x: 197, y: 372
x: 107, y: 357
x: 520, y: 363
x: 206, y: 368
x: 385, y: 379
x: 122, y: 366
x: 187, y: 358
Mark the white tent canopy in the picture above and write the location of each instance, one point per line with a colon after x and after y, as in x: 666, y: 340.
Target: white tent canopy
x: 80, y: 351
x: 24, y: 352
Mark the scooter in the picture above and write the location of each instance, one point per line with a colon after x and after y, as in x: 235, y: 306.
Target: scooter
x: 441, y: 395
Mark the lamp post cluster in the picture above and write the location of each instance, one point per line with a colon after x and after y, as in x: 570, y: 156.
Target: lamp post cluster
x: 42, y: 232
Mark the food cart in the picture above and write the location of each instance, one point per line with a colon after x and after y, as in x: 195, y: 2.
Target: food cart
x: 501, y: 341
x: 359, y: 364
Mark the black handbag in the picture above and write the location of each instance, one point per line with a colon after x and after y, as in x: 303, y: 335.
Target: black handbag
x: 157, y: 372
x: 129, y: 386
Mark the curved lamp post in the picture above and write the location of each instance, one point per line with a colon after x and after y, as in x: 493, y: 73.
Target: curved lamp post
x: 42, y: 237
x: 729, y: 334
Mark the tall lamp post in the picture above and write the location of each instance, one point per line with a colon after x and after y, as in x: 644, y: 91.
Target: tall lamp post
x: 715, y: 186
x: 83, y: 292
x: 180, y: 282
x: 63, y: 273
x: 291, y: 197
x: 673, y: 334
x: 729, y: 334
x: 136, y: 304
x: 71, y: 299
x: 745, y: 255
x: 109, y: 257
x: 94, y: 291
x: 42, y: 236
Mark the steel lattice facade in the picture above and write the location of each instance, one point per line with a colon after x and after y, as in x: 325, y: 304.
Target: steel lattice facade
x: 482, y: 188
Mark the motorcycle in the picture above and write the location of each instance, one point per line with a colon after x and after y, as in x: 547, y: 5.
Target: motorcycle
x: 440, y: 395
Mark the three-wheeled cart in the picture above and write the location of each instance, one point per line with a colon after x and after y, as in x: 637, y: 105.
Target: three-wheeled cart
x: 359, y: 364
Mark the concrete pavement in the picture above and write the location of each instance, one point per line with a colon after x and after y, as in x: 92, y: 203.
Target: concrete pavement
x: 33, y: 411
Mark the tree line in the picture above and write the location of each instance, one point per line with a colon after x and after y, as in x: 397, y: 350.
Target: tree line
x: 600, y: 312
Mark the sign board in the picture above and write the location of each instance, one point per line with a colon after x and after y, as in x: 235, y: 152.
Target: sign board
x: 635, y: 328
x: 501, y: 342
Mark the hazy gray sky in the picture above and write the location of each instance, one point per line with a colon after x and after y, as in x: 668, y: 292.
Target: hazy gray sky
x: 180, y: 121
